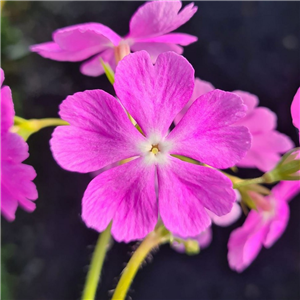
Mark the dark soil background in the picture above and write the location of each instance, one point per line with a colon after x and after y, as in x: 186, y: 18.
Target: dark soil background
x: 252, y: 46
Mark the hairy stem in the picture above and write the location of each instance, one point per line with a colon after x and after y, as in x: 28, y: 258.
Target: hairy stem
x: 152, y: 240
x: 94, y: 272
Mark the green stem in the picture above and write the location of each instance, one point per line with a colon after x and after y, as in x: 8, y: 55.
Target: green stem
x: 245, y: 182
x: 152, y: 240
x: 94, y: 272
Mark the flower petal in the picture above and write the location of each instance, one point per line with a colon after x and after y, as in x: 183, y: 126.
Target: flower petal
x: 1, y: 77
x: 159, y: 17
x: 229, y: 218
x: 160, y: 92
x: 155, y: 49
x: 185, y: 190
x: 99, y: 134
x: 13, y: 148
x: 93, y: 66
x: 7, y: 109
x: 295, y: 110
x: 201, y: 87
x: 261, y: 119
x: 126, y: 195
x: 206, y: 133
x: 250, y: 100
x: 286, y: 190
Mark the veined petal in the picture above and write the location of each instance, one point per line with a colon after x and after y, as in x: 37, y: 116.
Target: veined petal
x: 86, y: 35
x: 250, y: 100
x: 160, y: 92
x: 99, y: 134
x: 185, y: 192
x: 155, y: 49
x: 229, y: 218
x: 7, y: 109
x: 206, y: 132
x: 93, y: 66
x: 158, y: 18
x: 126, y: 195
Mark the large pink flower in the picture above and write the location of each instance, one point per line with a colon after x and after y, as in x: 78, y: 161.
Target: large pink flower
x: 150, y: 29
x: 17, y: 187
x: 261, y: 228
x: 295, y: 111
x: 100, y: 133
x: 267, y: 143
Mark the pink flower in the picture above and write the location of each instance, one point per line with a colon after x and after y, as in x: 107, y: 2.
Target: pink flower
x: 16, y: 178
x: 295, y: 110
x: 150, y: 29
x: 262, y: 227
x: 267, y: 143
x: 100, y: 133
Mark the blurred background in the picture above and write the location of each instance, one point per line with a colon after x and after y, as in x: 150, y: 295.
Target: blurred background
x: 251, y: 46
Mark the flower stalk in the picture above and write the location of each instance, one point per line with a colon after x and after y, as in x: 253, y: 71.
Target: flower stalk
x: 96, y: 265
x: 153, y: 240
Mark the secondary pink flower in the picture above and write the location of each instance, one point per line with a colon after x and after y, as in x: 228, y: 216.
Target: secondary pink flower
x: 295, y: 111
x: 267, y: 143
x: 17, y: 187
x: 100, y: 133
x: 261, y: 228
x: 150, y: 29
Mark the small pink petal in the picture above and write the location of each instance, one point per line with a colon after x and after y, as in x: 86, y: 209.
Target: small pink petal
x: 161, y: 91
x: 250, y: 100
x: 229, y: 218
x: 158, y: 18
x: 93, y: 66
x: 126, y: 195
x: 295, y: 110
x: 100, y: 132
x: 155, y: 49
x: 286, y: 190
x: 7, y: 109
x: 185, y: 190
x: 206, y: 132
x: 2, y: 77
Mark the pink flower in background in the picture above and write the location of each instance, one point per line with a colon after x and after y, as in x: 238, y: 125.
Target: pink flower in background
x: 150, y: 29
x: 17, y: 187
x: 295, y: 111
x: 262, y: 227
x: 100, y: 133
x: 267, y: 143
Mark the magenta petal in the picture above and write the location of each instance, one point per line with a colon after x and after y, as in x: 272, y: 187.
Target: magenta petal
x: 295, y: 110
x: 229, y: 218
x: 278, y: 224
x: 99, y: 134
x: 158, y: 18
x: 250, y: 100
x: 7, y: 109
x: 201, y: 87
x: 286, y: 190
x: 246, y: 242
x: 206, y: 132
x: 160, y: 92
x: 87, y: 35
x: 93, y: 66
x: 126, y: 195
x: 185, y: 190
x: 155, y: 49
x: 54, y: 51
x: 261, y: 119
x: 182, y: 39
x: 1, y: 77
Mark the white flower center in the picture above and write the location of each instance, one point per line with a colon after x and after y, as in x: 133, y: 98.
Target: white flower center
x: 155, y: 150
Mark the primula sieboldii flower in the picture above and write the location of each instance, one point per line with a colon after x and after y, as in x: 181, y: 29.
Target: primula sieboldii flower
x: 295, y: 111
x: 267, y: 143
x: 262, y: 227
x: 150, y: 29
x: 17, y: 187
x: 100, y: 133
